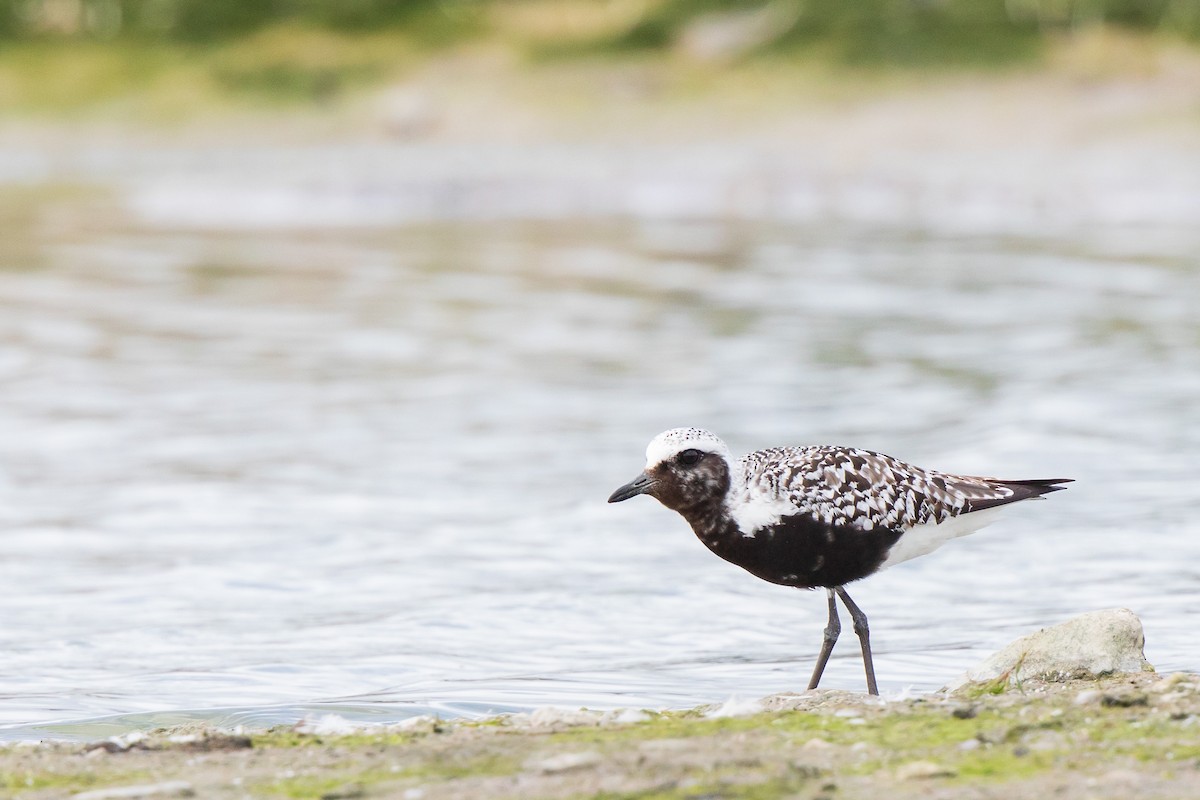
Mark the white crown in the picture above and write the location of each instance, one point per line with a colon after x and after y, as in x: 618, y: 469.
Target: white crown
x: 670, y: 443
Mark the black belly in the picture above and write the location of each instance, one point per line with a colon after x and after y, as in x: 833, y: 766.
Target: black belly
x: 805, y: 552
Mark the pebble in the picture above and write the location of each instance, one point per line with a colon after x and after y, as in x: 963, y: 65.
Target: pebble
x: 551, y: 717
x: 922, y: 770
x: 165, y: 789
x: 565, y: 762
x: 735, y: 707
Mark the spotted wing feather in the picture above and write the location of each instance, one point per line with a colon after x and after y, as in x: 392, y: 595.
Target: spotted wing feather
x: 868, y: 490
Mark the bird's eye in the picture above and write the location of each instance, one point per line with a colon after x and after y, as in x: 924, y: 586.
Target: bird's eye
x: 689, y: 458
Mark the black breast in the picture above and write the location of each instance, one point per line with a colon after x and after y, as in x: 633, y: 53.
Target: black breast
x: 799, y: 550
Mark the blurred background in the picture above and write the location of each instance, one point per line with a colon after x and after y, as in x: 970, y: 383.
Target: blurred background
x: 326, y: 328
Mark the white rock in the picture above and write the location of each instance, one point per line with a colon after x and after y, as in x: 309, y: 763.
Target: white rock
x: 626, y: 716
x: 425, y: 723
x: 1091, y: 645
x: 328, y: 725
x: 553, y: 717
x: 733, y: 707
x: 723, y: 36
x: 565, y: 762
x: 165, y: 789
x: 128, y: 740
x: 922, y: 770
x: 817, y: 744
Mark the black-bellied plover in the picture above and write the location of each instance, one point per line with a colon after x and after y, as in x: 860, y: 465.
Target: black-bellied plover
x: 818, y: 516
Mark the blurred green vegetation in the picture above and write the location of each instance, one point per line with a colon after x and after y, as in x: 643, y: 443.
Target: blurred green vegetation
x: 862, y: 30
x: 175, y: 56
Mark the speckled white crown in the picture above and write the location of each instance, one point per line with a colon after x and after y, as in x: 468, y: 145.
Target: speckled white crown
x: 670, y: 443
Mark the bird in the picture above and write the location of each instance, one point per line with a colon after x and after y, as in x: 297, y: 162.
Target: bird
x: 818, y: 516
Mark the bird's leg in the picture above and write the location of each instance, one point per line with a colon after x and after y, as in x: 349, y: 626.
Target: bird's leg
x: 832, y: 630
x: 864, y: 636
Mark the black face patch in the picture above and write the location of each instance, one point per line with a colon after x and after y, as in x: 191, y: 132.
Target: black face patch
x: 680, y: 486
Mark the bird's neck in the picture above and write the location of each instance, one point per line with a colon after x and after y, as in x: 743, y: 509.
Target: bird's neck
x: 712, y: 524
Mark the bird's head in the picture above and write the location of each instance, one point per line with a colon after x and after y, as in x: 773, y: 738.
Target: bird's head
x: 685, y: 467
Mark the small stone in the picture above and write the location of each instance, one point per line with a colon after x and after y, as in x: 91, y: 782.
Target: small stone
x: 1120, y: 776
x: 550, y: 717
x: 817, y: 744
x: 964, y: 712
x: 627, y: 716
x: 1124, y: 699
x: 734, y: 707
x: 565, y: 762
x: 423, y: 723
x: 1177, y: 680
x: 1087, y: 697
x: 720, y: 37
x: 1046, y: 741
x: 922, y: 770
x: 351, y: 791
x: 970, y: 744
x: 165, y: 789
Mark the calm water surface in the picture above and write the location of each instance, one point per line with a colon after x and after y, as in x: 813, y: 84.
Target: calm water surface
x: 256, y: 475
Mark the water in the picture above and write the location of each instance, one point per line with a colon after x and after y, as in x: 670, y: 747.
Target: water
x: 256, y: 472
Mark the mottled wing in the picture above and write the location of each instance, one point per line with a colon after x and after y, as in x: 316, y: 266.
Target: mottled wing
x: 868, y: 490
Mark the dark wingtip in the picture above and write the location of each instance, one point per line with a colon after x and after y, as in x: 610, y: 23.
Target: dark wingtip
x: 1021, y: 490
x: 1043, y: 484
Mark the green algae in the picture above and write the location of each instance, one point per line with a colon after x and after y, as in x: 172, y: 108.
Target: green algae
x: 1047, y: 740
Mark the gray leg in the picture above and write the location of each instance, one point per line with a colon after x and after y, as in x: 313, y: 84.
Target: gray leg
x: 832, y: 630
x: 864, y: 636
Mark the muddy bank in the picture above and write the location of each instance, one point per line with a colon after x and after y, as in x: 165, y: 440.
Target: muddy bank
x: 1100, y: 139
x: 1129, y: 737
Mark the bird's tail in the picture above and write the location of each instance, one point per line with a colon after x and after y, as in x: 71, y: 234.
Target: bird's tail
x: 1021, y: 490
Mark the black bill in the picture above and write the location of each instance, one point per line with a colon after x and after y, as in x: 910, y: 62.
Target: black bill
x: 639, y: 485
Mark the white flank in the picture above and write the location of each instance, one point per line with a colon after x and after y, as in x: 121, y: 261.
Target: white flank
x: 921, y: 540
x: 754, y: 512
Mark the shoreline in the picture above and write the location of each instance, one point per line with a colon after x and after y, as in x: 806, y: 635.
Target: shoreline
x: 1128, y: 736
x: 1100, y: 140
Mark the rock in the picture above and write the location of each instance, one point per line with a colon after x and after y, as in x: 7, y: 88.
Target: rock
x: 1090, y: 646
x: 165, y: 789
x: 564, y: 762
x: 725, y: 36
x: 554, y: 718
x: 922, y: 770
x: 1124, y: 699
x: 964, y: 712
x: 735, y: 707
